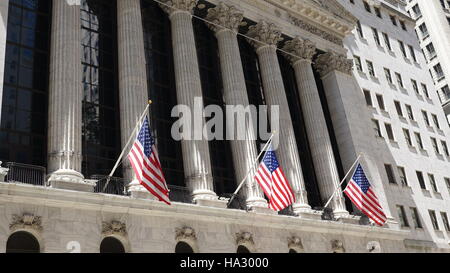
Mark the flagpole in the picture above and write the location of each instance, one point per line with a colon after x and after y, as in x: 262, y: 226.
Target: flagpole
x: 132, y: 136
x: 253, y: 167
x: 342, y: 182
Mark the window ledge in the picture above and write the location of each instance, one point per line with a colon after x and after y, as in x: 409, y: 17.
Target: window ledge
x: 417, y: 64
x: 385, y: 113
x: 440, y: 131
x: 391, y: 52
x: 393, y: 86
x: 362, y: 74
x: 394, y: 143
x: 374, y: 78
x: 430, y: 129
x: 424, y: 152
x: 414, y: 123
x: 426, y: 193
x: 408, y: 61
x: 412, y: 149
x: 403, y: 119
x: 437, y: 195
x: 404, y: 90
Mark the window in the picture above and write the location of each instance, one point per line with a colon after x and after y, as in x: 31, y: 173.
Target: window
x: 393, y: 20
x: 25, y: 88
x: 387, y: 41
x: 359, y: 29
x: 368, y: 97
x: 22, y: 242
x: 408, y: 137
x: 425, y: 118
x: 367, y: 6
x: 415, y: 86
x: 412, y: 52
x: 381, y: 102
x: 445, y: 221
x: 433, y: 219
x: 399, y: 79
x: 410, y: 112
x: 425, y: 90
x: 376, y: 36
x: 433, y: 182
x: 377, y: 128
x: 390, y: 174
x: 445, y: 148
x: 419, y: 140
x: 416, y: 218
x: 183, y: 247
x: 387, y: 72
x: 370, y: 68
x: 398, y: 107
x: 402, y: 216
x: 403, y: 25
x: 438, y: 72
x: 358, y: 63
x: 402, y: 48
x: 436, y: 121
x: 447, y: 183
x: 101, y: 127
x: 403, y: 178
x: 378, y: 12
x: 389, y: 131
x: 421, y: 180
x: 435, y: 145
x: 423, y: 31
x: 111, y: 245
x: 431, y: 51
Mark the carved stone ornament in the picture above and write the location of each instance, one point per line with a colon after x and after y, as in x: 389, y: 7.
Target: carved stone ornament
x: 337, y: 246
x: 244, y: 238
x: 295, y: 243
x: 328, y: 62
x: 263, y: 34
x: 26, y: 221
x: 185, y: 234
x: 314, y: 30
x: 299, y: 49
x: 229, y: 17
x: 114, y: 228
x: 170, y: 6
x: 374, y: 247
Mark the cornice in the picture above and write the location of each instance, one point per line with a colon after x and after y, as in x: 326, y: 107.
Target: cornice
x: 326, y: 14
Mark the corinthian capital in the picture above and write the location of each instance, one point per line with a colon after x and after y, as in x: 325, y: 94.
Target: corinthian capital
x: 328, y: 62
x: 224, y: 17
x: 265, y: 34
x: 299, y: 49
x: 171, y: 6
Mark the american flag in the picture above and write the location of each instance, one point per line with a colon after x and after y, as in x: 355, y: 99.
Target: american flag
x: 274, y: 183
x: 361, y: 194
x: 145, y: 161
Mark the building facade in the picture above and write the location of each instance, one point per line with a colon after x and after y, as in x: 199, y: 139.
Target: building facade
x: 433, y: 30
x: 77, y: 75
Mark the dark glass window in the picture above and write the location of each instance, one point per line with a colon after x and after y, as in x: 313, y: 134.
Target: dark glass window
x: 161, y: 86
x: 111, y: 245
x: 298, y: 122
x: 209, y: 64
x: 253, y: 81
x: 22, y: 242
x: 183, y: 247
x: 101, y: 127
x: 23, y: 131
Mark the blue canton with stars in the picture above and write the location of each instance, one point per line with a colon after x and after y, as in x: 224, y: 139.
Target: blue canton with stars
x: 146, y: 139
x: 270, y: 160
x: 360, y: 178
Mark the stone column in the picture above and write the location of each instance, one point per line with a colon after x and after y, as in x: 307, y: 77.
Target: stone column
x: 319, y: 139
x: 235, y: 93
x: 348, y: 112
x: 266, y: 37
x: 196, y: 157
x: 65, y: 99
x: 133, y: 91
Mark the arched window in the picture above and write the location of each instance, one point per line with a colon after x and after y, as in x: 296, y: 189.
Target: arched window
x: 162, y: 90
x: 292, y: 94
x: 22, y: 242
x: 183, y: 247
x: 111, y: 245
x: 209, y: 64
x: 23, y: 131
x: 101, y: 126
x: 292, y: 251
x: 242, y: 249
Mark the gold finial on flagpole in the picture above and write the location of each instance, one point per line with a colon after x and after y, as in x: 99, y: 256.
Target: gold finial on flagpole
x: 150, y: 102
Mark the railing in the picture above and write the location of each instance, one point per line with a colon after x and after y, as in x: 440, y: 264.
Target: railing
x: 115, y: 185
x: 26, y: 174
x: 180, y: 194
x: 238, y: 201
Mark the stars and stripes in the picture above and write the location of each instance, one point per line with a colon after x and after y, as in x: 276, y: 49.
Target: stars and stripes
x: 361, y: 194
x: 274, y: 183
x: 145, y: 161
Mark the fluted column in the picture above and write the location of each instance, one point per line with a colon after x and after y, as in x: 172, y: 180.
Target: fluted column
x: 235, y: 93
x: 266, y: 37
x: 348, y: 113
x: 65, y: 99
x: 133, y: 92
x: 196, y: 157
x: 319, y: 139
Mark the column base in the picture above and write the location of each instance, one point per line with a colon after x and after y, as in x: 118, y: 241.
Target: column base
x: 138, y: 191
x: 259, y: 205
x: 3, y: 172
x: 350, y: 219
x: 207, y: 198
x: 339, y: 213
x: 70, y: 180
x: 301, y: 208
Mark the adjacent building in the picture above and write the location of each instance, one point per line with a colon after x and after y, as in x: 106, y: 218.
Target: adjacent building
x: 432, y: 20
x: 78, y: 74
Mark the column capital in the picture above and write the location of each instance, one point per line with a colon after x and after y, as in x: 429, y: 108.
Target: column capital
x: 226, y: 16
x: 330, y: 61
x: 301, y: 49
x: 264, y: 33
x: 172, y: 6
